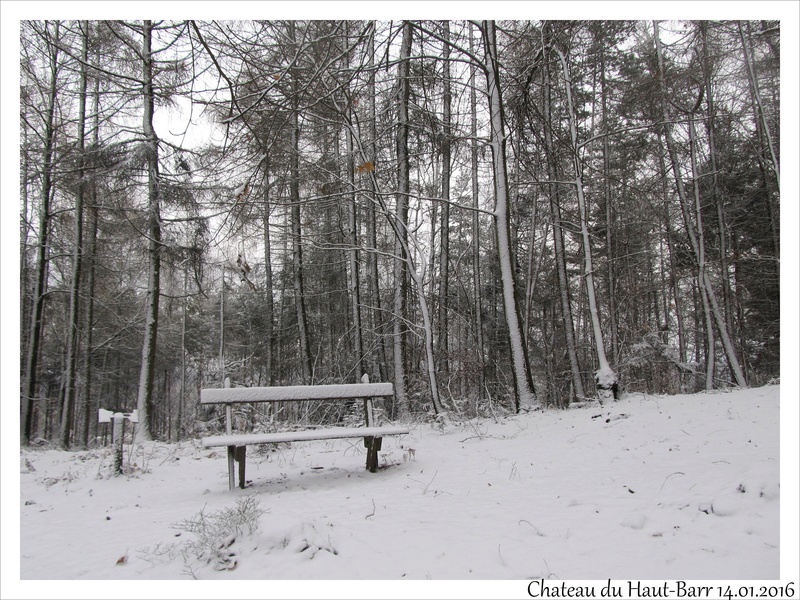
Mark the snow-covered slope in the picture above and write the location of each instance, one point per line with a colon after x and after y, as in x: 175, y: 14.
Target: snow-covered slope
x: 680, y: 487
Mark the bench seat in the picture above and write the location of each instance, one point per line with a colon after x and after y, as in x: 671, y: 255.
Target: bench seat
x: 249, y: 439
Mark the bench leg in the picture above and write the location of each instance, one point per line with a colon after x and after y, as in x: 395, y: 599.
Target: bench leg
x: 373, y: 445
x: 241, y: 453
x: 237, y: 454
x: 231, y: 476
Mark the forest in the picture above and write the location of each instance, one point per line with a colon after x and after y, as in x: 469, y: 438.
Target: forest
x: 493, y: 216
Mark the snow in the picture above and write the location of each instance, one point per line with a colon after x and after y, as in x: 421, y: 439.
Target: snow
x: 646, y: 488
x: 296, y: 392
x: 605, y: 377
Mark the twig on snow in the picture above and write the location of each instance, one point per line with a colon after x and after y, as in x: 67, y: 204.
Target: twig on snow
x: 536, y: 529
x: 668, y: 476
x: 425, y: 491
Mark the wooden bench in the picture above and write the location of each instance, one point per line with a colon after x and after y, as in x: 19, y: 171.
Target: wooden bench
x: 237, y: 442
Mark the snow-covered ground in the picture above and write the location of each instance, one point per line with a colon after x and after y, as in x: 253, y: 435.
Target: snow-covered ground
x: 648, y: 488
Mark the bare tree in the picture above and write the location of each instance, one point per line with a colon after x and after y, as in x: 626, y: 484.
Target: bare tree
x: 523, y: 382
x: 558, y: 238
x: 605, y: 377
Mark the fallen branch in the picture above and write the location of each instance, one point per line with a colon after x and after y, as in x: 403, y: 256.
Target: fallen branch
x: 668, y: 476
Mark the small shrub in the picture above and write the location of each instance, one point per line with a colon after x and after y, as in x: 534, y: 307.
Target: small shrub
x: 216, y: 532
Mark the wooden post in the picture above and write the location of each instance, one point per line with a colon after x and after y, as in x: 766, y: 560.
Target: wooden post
x: 231, y: 449
x: 368, y: 416
x: 373, y: 446
x: 241, y: 454
x: 116, y: 441
x: 229, y: 426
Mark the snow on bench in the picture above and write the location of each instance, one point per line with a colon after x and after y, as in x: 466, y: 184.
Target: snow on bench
x: 237, y: 443
x: 296, y: 392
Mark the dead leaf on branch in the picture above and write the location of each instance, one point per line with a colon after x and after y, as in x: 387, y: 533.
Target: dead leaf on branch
x: 366, y: 167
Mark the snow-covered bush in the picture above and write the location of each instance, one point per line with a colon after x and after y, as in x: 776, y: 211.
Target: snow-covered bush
x: 216, y: 532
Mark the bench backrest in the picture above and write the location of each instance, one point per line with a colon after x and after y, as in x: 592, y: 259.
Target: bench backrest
x: 296, y: 392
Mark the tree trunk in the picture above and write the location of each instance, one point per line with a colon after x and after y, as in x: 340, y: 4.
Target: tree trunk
x: 476, y: 229
x: 401, y: 216
x: 727, y: 294
x: 605, y: 377
x: 612, y: 288
x: 24, y: 266
x: 269, y: 315
x: 353, y: 273
x: 91, y: 255
x: 373, y: 279
x: 296, y: 225
x: 558, y: 244
x: 444, y: 256
x: 524, y: 394
x: 37, y: 309
x: 701, y: 259
x: 144, y: 402
x: 673, y: 267
x: 73, y: 320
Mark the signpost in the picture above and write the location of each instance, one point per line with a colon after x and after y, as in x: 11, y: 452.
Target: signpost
x: 117, y: 419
